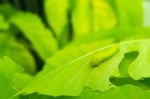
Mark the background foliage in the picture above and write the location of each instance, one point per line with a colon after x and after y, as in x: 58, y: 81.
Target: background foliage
x: 74, y: 49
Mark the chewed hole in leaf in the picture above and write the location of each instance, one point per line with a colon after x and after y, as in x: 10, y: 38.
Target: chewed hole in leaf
x: 146, y: 82
x: 102, y: 56
x: 125, y: 81
x: 127, y: 60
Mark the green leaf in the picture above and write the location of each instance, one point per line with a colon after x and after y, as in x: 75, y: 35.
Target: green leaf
x: 81, y: 18
x: 33, y: 28
x: 140, y: 67
x: 103, y: 16
x: 71, y: 78
x: 7, y: 11
x: 16, y: 51
x: 7, y: 72
x: 72, y: 52
x: 89, y: 16
x: 121, y: 92
x: 146, y: 13
x: 3, y: 25
x: 129, y: 15
x: 118, y: 34
x: 21, y: 80
x: 57, y: 15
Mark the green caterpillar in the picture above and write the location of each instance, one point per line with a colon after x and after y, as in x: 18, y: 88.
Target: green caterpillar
x: 101, y: 56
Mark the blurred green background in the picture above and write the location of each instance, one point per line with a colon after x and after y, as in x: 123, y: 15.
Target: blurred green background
x: 36, y: 6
